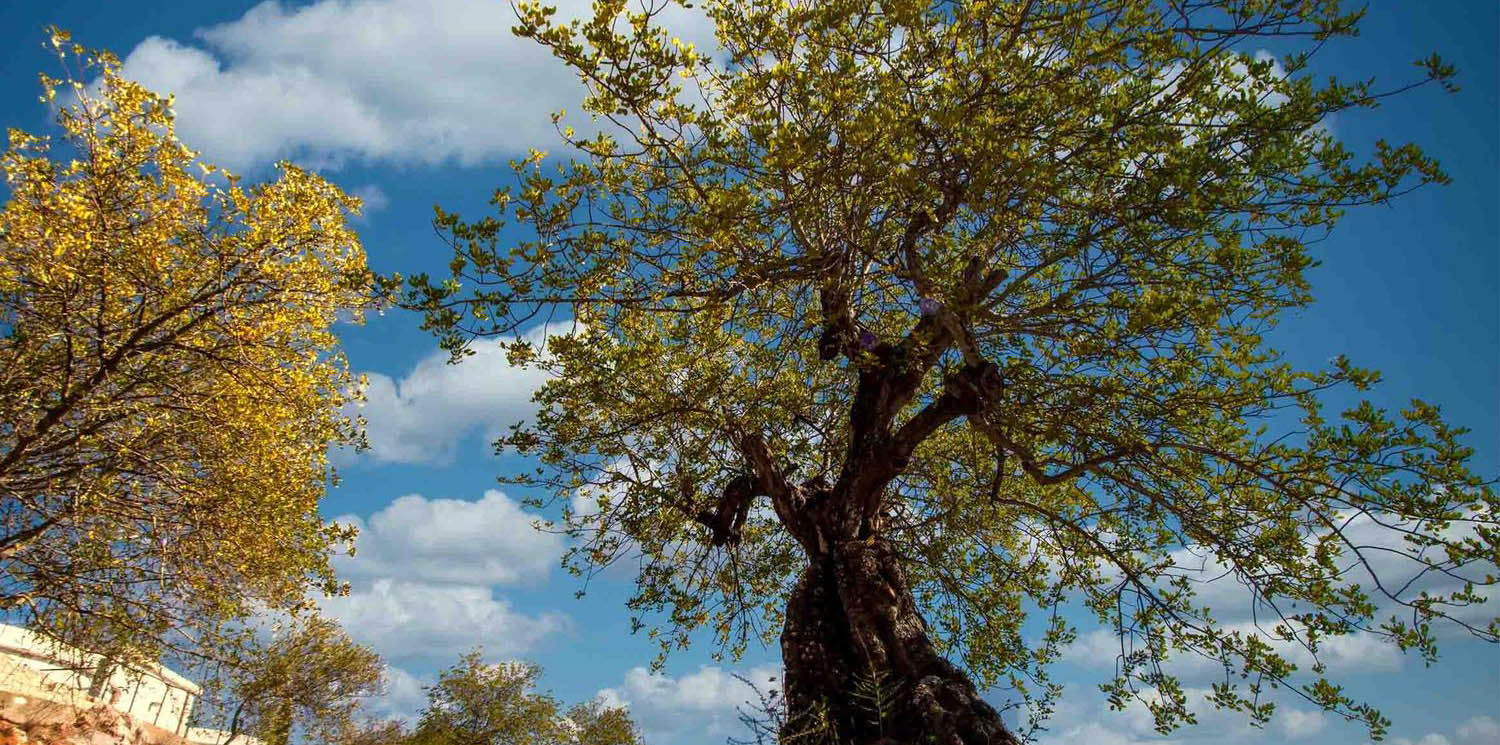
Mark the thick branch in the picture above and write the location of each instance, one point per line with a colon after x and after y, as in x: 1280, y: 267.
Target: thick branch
x: 839, y: 333
x: 11, y: 545
x: 967, y: 392
x: 728, y: 516
x: 768, y: 477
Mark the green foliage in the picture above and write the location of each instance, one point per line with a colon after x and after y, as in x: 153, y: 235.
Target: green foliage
x: 811, y: 727
x: 474, y: 703
x: 309, y: 677
x: 478, y: 704
x: 595, y: 723
x: 876, y: 694
x: 1105, y: 204
x: 385, y: 732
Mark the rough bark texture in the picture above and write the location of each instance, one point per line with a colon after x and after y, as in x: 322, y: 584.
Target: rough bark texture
x: 852, y: 621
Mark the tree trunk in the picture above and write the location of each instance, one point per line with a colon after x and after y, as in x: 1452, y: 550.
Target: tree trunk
x: 860, y: 669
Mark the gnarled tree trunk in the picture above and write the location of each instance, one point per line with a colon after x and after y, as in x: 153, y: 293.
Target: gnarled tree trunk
x: 860, y: 669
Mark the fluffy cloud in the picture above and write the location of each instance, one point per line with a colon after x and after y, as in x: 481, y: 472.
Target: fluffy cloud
x: 1083, y: 717
x: 1094, y: 733
x: 1409, y: 572
x: 422, y: 417
x: 1481, y: 730
x: 705, y: 703
x: 402, y: 696
x: 1429, y: 739
x: 404, y: 81
x: 1300, y: 723
x: 373, y: 197
x: 423, y: 570
x: 486, y: 542
x: 1344, y: 655
x: 407, y: 620
x: 1384, y: 559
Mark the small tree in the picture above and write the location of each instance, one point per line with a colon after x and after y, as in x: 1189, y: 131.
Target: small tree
x: 474, y: 703
x: 169, y: 380
x: 377, y: 732
x: 971, y: 298
x: 309, y: 678
x: 594, y: 722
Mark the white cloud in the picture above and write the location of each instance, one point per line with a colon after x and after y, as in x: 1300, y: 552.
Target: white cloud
x: 1388, y: 560
x: 405, y: 81
x: 485, y: 542
x: 402, y: 696
x: 423, y: 575
x: 407, y: 620
x: 1351, y: 654
x: 1094, y: 733
x: 1083, y: 717
x: 1481, y: 730
x: 1299, y: 723
x: 422, y: 417
x: 373, y: 197
x: 1095, y: 649
x: 1430, y: 739
x: 1384, y: 559
x: 705, y: 703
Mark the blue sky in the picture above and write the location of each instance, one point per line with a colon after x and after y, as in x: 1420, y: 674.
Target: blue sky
x: 411, y: 104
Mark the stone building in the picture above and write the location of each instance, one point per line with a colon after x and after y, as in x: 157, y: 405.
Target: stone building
x: 35, y: 667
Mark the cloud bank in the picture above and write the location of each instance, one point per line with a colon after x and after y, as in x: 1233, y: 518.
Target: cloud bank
x: 394, y: 81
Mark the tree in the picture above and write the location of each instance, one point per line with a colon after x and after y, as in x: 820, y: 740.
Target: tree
x: 474, y: 703
x: 900, y: 323
x: 310, y: 677
x: 594, y: 722
x: 385, y: 732
x: 169, y: 380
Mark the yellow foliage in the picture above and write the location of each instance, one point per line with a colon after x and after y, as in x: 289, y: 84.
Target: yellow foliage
x: 169, y: 380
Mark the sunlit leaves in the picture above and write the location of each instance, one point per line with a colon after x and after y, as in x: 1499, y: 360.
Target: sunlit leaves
x: 309, y: 676
x: 1112, y: 202
x: 169, y: 379
x: 474, y: 703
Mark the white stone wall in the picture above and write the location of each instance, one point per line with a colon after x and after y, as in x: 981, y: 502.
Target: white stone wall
x: 149, y: 698
x: 32, y: 666
x: 204, y: 736
x: 36, y: 666
x: 21, y: 680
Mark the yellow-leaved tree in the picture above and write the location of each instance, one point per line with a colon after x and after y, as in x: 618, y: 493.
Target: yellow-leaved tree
x: 169, y: 380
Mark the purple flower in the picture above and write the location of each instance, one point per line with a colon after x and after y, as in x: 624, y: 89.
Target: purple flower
x: 928, y: 306
x: 867, y: 340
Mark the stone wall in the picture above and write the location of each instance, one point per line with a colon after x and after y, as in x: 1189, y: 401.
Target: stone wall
x: 42, y: 681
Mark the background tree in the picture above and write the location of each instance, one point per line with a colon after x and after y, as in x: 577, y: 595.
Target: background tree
x: 594, y: 722
x: 973, y: 296
x: 169, y: 383
x: 372, y: 732
x: 308, y: 679
x: 474, y: 703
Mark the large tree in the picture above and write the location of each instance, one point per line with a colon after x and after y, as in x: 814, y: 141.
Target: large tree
x: 169, y: 379
x: 900, y: 323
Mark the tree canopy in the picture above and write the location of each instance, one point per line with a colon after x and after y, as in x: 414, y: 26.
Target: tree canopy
x: 475, y: 703
x: 308, y: 678
x: 169, y: 380
x: 986, y: 286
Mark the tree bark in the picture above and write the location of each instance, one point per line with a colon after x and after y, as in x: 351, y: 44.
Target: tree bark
x: 860, y: 669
